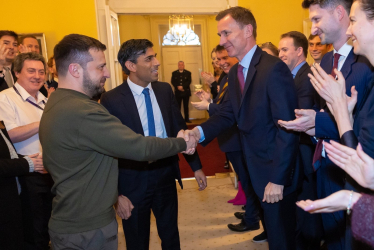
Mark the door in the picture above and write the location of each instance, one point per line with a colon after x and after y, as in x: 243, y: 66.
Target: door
x: 192, y: 58
x: 113, y: 47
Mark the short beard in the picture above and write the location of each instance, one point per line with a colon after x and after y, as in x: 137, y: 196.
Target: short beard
x: 90, y: 88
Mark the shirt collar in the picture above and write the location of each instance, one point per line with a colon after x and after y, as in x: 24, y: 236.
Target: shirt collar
x: 297, y: 68
x: 246, y: 61
x: 136, y: 89
x: 344, y: 50
x: 25, y: 95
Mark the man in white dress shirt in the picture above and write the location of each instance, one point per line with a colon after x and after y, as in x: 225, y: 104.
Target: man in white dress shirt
x: 21, y: 108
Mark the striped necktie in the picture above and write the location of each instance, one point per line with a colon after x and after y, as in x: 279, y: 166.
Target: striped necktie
x: 222, y: 92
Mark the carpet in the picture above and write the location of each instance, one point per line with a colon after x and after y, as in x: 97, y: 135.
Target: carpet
x: 211, y: 157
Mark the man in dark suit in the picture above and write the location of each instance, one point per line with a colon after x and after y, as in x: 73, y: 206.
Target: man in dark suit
x: 330, y: 20
x: 181, y: 80
x: 148, y: 107
x: 11, y: 166
x: 8, y: 51
x: 229, y: 142
x: 293, y: 50
x: 260, y: 90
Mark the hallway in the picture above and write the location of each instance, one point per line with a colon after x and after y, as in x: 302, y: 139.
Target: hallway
x: 203, y: 219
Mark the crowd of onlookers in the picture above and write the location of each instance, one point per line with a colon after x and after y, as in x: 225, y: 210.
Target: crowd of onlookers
x: 299, y: 136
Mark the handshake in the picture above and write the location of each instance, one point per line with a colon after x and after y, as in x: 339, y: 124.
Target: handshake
x: 191, y: 137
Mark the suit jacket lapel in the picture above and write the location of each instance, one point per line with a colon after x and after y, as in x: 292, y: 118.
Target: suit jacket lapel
x: 301, y: 71
x: 251, y: 72
x: 128, y: 103
x: 347, y: 67
x: 163, y: 106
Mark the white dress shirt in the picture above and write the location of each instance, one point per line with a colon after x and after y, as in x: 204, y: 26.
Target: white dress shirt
x: 344, y: 52
x: 16, y: 111
x: 142, y: 109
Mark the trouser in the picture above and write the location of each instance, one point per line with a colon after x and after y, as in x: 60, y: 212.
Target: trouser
x: 309, y: 229
x: 186, y: 100
x: 11, y: 234
x: 160, y: 197
x: 251, y: 215
x: 331, y: 179
x: 280, y: 222
x: 36, y: 201
x: 104, y: 238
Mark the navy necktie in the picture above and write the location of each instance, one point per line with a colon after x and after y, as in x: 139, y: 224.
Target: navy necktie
x: 151, y: 119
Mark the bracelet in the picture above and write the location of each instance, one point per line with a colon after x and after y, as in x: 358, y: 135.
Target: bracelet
x: 349, y: 203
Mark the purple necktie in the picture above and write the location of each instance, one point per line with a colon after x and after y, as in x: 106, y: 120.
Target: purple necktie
x: 241, y: 77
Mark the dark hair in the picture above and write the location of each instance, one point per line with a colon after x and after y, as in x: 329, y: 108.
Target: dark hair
x: 311, y: 37
x: 74, y: 48
x: 131, y: 50
x: 22, y: 57
x: 299, y: 40
x: 20, y: 41
x: 271, y: 47
x: 241, y: 15
x: 219, y: 48
x: 8, y: 33
x: 367, y: 6
x: 347, y: 4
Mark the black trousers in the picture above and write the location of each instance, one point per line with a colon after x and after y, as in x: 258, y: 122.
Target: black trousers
x: 36, y: 200
x: 161, y: 197
x: 309, y: 230
x: 252, y: 207
x: 186, y: 100
x: 279, y: 222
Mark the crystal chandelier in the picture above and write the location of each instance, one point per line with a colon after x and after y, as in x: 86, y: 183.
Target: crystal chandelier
x: 181, y: 31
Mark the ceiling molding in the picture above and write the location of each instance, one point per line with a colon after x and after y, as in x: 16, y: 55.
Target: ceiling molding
x: 170, y: 6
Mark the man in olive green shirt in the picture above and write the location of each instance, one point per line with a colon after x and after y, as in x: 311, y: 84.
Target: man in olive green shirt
x: 81, y: 142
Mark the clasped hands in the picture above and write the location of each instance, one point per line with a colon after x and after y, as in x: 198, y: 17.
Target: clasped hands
x: 38, y: 163
x: 191, y: 137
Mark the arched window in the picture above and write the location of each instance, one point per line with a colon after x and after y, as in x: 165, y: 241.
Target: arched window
x: 173, y: 38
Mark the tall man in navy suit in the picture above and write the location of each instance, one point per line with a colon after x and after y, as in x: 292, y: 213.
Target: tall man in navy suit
x: 293, y: 50
x: 330, y: 20
x: 229, y: 142
x: 148, y: 107
x: 260, y: 91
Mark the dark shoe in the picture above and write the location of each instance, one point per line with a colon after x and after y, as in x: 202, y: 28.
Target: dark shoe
x: 188, y: 121
x: 226, y: 165
x: 243, y: 208
x: 239, y: 215
x: 242, y: 227
x: 262, y: 237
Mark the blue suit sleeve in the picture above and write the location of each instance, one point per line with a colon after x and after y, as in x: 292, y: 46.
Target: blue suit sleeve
x: 326, y: 127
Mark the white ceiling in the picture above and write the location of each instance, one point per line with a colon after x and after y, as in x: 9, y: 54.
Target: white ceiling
x: 170, y: 6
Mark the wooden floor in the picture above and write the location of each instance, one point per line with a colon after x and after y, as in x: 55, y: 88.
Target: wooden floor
x: 203, y: 219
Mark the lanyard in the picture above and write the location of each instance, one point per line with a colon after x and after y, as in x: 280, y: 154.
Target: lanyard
x: 32, y: 103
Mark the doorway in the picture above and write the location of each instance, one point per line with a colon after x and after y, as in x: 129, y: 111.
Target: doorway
x: 192, y: 58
